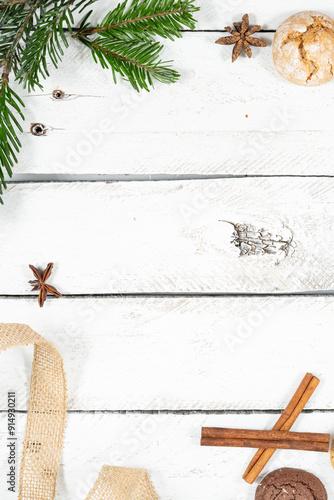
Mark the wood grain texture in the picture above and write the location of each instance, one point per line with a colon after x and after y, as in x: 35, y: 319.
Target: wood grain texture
x: 221, y: 118
x: 179, y: 353
x: 176, y: 353
x: 168, y: 446
x: 215, y: 14
x: 179, y: 153
x: 132, y: 237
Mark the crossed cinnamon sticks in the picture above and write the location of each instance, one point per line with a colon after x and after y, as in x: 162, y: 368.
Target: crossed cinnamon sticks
x: 278, y: 438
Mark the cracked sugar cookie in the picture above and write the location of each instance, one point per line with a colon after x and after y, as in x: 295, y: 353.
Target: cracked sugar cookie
x: 291, y: 484
x: 303, y: 48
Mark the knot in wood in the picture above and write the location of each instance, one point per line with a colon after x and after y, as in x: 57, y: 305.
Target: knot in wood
x: 58, y: 94
x: 38, y: 129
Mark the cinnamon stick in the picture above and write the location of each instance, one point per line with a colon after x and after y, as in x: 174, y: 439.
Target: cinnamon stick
x: 283, y: 444
x: 244, y: 438
x: 284, y: 423
x: 224, y: 433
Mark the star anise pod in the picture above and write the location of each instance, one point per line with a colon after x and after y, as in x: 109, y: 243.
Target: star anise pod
x: 40, y: 283
x: 241, y: 37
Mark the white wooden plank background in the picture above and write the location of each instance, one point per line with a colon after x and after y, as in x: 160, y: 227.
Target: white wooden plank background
x: 215, y: 14
x: 168, y: 446
x: 179, y: 353
x: 184, y: 353
x: 213, y: 94
x: 221, y: 118
x: 157, y: 237
x: 180, y: 153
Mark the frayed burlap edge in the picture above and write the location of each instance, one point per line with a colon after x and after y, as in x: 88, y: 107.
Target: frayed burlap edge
x: 46, y: 422
x: 120, y: 483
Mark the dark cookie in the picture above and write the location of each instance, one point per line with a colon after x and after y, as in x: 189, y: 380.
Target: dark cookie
x: 291, y: 484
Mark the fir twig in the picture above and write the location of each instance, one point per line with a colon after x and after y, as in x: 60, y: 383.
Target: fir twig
x: 124, y: 41
x: 137, y: 61
x: 32, y: 34
x: 10, y: 3
x: 10, y: 104
x: 48, y: 39
x: 13, y: 32
x: 146, y: 18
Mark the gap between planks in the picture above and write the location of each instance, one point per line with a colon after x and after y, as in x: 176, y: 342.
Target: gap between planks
x: 188, y: 295
x: 75, y: 30
x: 185, y: 412
x: 68, y: 178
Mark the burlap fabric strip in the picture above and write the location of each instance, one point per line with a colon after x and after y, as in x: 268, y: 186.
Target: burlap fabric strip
x: 46, y: 422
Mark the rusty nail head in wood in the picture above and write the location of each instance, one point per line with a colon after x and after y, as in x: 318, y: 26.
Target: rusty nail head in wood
x: 38, y: 129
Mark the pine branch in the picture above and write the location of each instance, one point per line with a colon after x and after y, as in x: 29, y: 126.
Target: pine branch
x: 25, y: 54
x: 136, y: 61
x: 10, y: 108
x: 10, y: 3
x: 125, y: 38
x: 16, y: 22
x: 32, y: 34
x: 146, y: 18
x: 48, y: 39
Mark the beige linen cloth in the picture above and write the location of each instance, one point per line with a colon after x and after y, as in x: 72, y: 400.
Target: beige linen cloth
x: 46, y: 422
